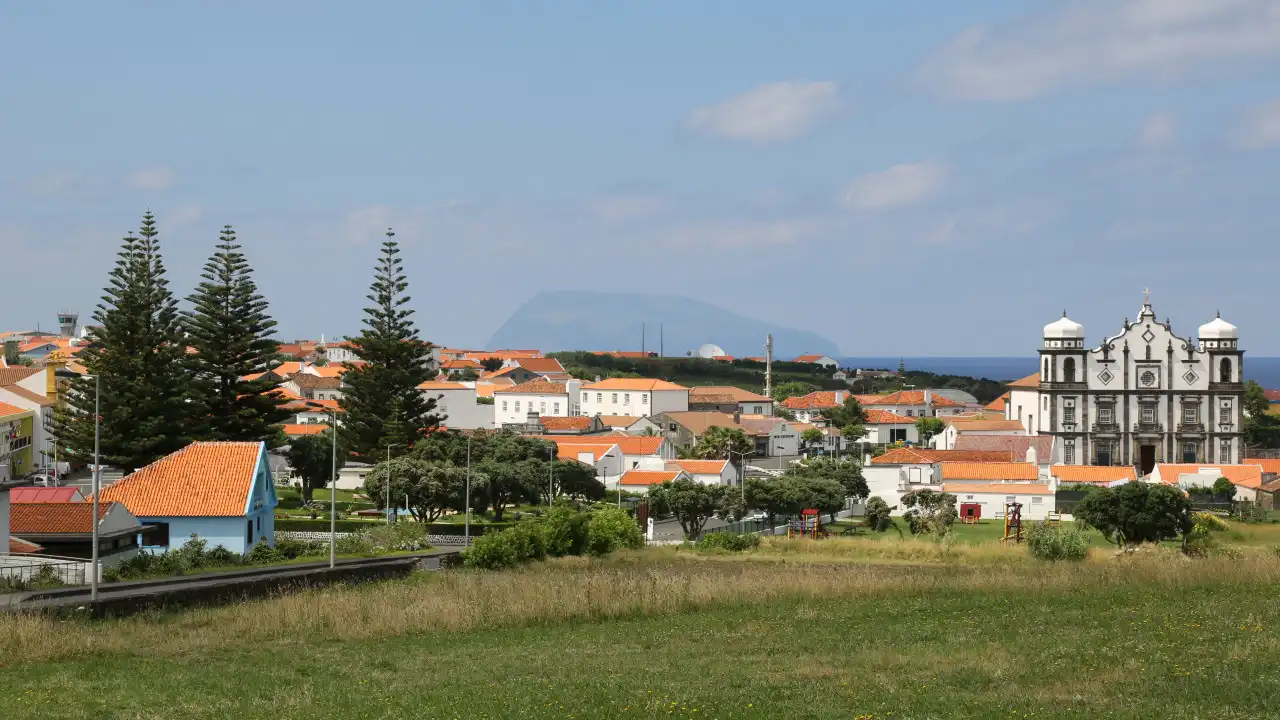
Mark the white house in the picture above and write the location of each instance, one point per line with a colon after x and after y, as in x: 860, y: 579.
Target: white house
x: 1037, y: 499
x: 639, y: 481
x: 884, y: 427
x: 457, y: 403
x: 1246, y: 478
x: 976, y: 425
x: 822, y: 360
x: 915, y: 403
x: 808, y: 408
x: 639, y: 452
x: 33, y: 389
x: 605, y: 456
x: 707, y: 472
x: 513, y: 404
x: 729, y: 399
x: 637, y: 397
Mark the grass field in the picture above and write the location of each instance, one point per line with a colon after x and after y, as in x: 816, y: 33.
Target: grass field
x: 837, y: 628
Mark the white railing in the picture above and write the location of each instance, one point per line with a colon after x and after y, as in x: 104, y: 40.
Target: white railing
x: 28, y: 568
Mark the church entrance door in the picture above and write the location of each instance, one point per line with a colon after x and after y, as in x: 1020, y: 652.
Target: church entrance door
x: 1146, y: 459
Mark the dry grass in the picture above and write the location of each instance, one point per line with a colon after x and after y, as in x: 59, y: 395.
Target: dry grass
x: 645, y: 583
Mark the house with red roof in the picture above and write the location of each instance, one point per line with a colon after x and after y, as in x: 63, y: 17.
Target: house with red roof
x: 813, y: 359
x: 221, y: 492
x: 639, y: 481
x: 65, y: 529
x: 707, y: 472
x: 638, y: 397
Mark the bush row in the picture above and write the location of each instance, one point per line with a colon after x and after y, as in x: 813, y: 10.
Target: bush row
x: 1057, y: 542
x: 729, y: 542
x: 562, y: 531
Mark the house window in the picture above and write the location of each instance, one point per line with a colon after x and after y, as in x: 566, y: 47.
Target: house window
x: 1069, y: 452
x: 614, y: 398
x: 1037, y: 500
x: 1224, y: 415
x: 599, y: 397
x: 555, y: 408
x: 626, y: 398
x: 1046, y: 402
x: 1148, y: 415
x: 644, y: 398
x: 1069, y: 415
x: 586, y: 397
x: 1224, y: 371
x: 1044, y: 375
x: 1010, y: 498
x: 542, y: 408
x: 517, y: 406
x: 1069, y: 370
x: 1190, y: 415
x: 1104, y: 453
x: 897, y: 435
x: 1188, y: 452
x: 1224, y: 453
x: 159, y: 536
x: 1105, y: 416
x: 504, y: 406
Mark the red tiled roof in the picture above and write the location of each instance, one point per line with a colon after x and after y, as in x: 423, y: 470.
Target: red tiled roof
x: 989, y: 471
x: 6, y: 410
x: 618, y: 421
x: 298, y: 430
x: 648, y: 477
x: 925, y: 456
x: 502, y: 354
x: 1272, y: 395
x: 629, y: 444
x: 698, y: 467
x: 998, y: 405
x: 461, y: 365
x: 204, y: 479
x: 1248, y: 476
x: 633, y: 384
x: 540, y: 365
x: 1016, y: 444
x: 565, y: 423
x: 634, y: 354
x: 1269, y: 465
x: 1030, y: 381
x: 54, y: 517
x: 441, y: 385
x: 959, y: 488
x: 735, y: 394
x: 808, y: 358
x: 45, y: 495
x: 822, y: 399
x: 12, y: 375
x: 535, y: 387
x: 1094, y: 473
x: 567, y: 449
x: 876, y: 416
x: 18, y: 546
x: 914, y: 397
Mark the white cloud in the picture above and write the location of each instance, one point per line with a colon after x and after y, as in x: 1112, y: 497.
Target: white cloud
x: 152, y: 178
x: 1260, y: 128
x: 369, y: 224
x: 775, y: 112
x: 896, y: 187
x: 1088, y: 42
x: 1158, y: 130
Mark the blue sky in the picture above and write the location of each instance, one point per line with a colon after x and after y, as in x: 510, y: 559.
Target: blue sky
x: 915, y: 178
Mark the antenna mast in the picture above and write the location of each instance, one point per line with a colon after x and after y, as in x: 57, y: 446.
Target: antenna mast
x: 768, y: 365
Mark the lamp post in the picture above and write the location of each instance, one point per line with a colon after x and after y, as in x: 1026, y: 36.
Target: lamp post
x: 333, y: 483
x: 466, y: 531
x: 390, y: 505
x: 551, y: 476
x: 97, y: 480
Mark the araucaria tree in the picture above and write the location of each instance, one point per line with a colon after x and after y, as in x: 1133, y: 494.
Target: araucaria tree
x: 395, y: 362
x: 138, y: 355
x: 231, y: 333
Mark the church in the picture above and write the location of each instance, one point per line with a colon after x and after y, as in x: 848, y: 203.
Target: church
x: 1141, y: 397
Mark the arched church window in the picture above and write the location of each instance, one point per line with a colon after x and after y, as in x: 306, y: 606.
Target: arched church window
x: 1045, y: 374
x: 1069, y: 370
x: 1225, y: 371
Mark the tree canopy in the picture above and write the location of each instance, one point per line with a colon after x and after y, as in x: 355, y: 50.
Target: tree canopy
x: 312, y: 459
x: 1136, y: 513
x: 927, y: 427
x: 430, y: 488
x: 691, y: 503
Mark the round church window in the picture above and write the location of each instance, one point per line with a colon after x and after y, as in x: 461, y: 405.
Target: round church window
x: 1148, y: 378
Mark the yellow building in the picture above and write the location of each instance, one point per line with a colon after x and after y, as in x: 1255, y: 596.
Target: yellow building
x: 16, y: 454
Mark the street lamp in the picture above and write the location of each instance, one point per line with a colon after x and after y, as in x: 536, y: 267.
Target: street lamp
x: 551, y: 476
x: 333, y: 483
x: 390, y: 505
x: 97, y: 474
x: 466, y: 536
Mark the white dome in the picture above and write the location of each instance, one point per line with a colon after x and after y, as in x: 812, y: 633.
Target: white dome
x: 1218, y: 329
x: 1064, y: 327
x: 710, y: 351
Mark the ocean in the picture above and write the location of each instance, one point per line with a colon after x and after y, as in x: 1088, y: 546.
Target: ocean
x: 1265, y: 370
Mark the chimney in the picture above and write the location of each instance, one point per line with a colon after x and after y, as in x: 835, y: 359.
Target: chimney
x: 737, y: 416
x: 597, y: 378
x: 928, y: 397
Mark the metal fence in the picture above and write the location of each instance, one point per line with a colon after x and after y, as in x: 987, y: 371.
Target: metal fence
x: 26, y: 570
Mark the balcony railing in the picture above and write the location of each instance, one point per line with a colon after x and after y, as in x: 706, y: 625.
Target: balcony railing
x: 1141, y: 427
x: 1111, y: 427
x: 1190, y: 427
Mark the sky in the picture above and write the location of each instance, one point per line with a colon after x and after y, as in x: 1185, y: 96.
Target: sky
x: 906, y: 178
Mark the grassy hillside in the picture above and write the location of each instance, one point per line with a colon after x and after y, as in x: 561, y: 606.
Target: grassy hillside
x: 837, y: 628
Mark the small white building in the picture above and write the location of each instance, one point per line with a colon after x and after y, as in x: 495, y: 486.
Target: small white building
x: 456, y: 403
x: 638, y: 397
x: 977, y: 425
x: 822, y: 360
x: 1246, y: 478
x: 639, y: 452
x: 639, y: 481
x: 915, y: 404
x: 605, y: 456
x: 1037, y: 499
x: 729, y: 399
x: 707, y: 472
x: 550, y: 399
x: 884, y: 427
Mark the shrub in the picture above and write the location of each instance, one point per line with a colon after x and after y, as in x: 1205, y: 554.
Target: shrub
x: 610, y: 529
x: 491, y: 552
x: 529, y: 540
x: 397, y: 537
x: 263, y: 554
x: 729, y: 542
x: 307, y: 525
x: 566, y: 532
x: 354, y: 544
x: 294, y: 549
x: 1209, y: 521
x: 877, y: 515
x: 1056, y: 542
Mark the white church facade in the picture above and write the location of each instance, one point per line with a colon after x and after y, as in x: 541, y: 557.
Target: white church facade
x: 1142, y: 397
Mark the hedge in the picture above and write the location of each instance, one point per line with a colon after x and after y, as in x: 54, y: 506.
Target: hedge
x: 349, y: 526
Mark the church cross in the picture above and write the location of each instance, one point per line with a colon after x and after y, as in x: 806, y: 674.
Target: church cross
x: 1146, y: 296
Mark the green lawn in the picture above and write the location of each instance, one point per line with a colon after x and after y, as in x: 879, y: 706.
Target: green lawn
x: 665, y: 634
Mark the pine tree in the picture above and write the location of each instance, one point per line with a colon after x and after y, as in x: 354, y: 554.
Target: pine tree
x: 395, y: 362
x: 231, y: 333
x: 138, y: 355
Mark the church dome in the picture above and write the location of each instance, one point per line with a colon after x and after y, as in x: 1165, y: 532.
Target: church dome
x: 1064, y: 327
x: 1218, y: 329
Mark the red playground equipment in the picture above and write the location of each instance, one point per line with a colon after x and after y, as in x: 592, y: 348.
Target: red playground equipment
x: 809, y: 525
x: 1013, y: 522
x: 970, y: 513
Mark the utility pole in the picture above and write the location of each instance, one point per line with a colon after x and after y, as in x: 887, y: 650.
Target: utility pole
x: 467, y: 530
x: 768, y: 365
x: 661, y: 337
x: 642, y: 338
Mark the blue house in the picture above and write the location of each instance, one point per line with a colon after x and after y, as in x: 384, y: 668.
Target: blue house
x: 219, y: 491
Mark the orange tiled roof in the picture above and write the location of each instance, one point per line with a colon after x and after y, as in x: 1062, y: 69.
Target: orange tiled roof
x: 997, y: 489
x: 6, y: 410
x: 285, y: 369
x: 12, y: 375
x: 734, y: 393
x: 618, y: 421
x: 989, y: 471
x: 926, y: 456
x: 698, y: 467
x: 461, y: 365
x: 982, y: 423
x: 565, y: 423
x: 18, y: 546
x: 1094, y: 473
x: 822, y: 399
x: 633, y: 384
x: 535, y: 387
x: 44, y: 495
x: 914, y: 397
x: 1248, y: 476
x: 298, y: 430
x: 876, y: 416
x: 54, y: 517
x: 540, y: 365
x: 1030, y: 381
x: 566, y: 449
x: 634, y: 354
x: 330, y: 371
x: 1268, y: 465
x: 204, y: 479
x: 629, y: 444
x: 648, y: 477
x: 998, y: 405
x: 441, y: 385
x: 808, y: 358
x: 502, y: 354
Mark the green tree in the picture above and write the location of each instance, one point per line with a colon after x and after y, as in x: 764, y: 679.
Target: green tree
x: 1255, y: 399
x: 577, y: 481
x: 691, y: 503
x: 723, y: 443
x: 877, y: 516
x: 12, y: 357
x: 1222, y: 487
x: 1261, y: 428
x: 927, y: 427
x: 794, y: 388
x: 395, y: 363
x: 929, y: 511
x: 231, y: 333
x: 846, y: 472
x: 311, y: 460
x: 139, y: 355
x: 491, y: 364
x: 1134, y: 513
x: 847, y: 414
x: 431, y: 488
x: 811, y: 436
x: 463, y: 375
